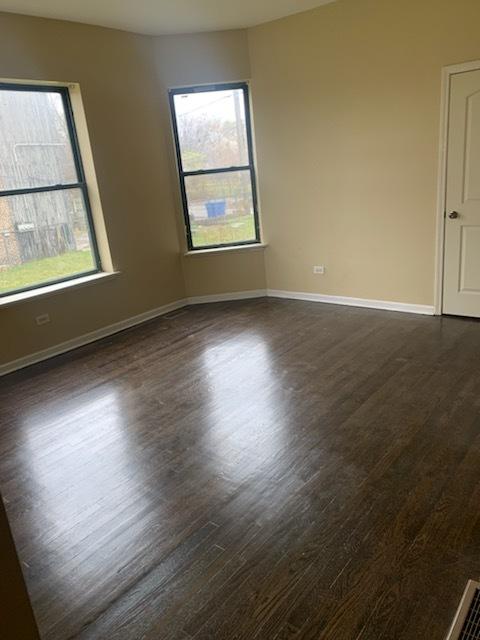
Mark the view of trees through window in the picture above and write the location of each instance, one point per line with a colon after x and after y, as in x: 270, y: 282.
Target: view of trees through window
x: 216, y: 166
x: 44, y: 229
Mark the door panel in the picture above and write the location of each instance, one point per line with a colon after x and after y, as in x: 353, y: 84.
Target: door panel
x: 470, y: 260
x: 461, y: 294
x: 471, y: 189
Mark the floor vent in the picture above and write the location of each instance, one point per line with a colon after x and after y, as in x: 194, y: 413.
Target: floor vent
x: 466, y: 624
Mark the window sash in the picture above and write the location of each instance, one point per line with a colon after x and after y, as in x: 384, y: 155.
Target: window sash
x: 80, y: 184
x: 243, y: 86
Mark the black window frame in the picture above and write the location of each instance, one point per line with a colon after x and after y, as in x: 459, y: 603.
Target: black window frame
x: 250, y: 167
x: 81, y: 183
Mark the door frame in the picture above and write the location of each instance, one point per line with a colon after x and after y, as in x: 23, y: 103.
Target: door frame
x: 447, y: 73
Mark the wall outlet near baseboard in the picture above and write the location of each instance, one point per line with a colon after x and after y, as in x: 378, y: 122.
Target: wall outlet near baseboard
x: 319, y: 270
x: 42, y: 319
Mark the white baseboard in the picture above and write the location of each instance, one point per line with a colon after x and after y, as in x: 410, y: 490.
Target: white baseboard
x: 403, y: 307
x: 225, y: 297
x: 111, y: 329
x: 86, y: 338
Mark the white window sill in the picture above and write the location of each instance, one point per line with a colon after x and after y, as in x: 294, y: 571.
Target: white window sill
x: 244, y: 247
x: 52, y: 289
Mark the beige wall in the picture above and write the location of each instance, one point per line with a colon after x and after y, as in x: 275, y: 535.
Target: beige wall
x: 347, y: 107
x: 201, y: 59
x: 117, y: 78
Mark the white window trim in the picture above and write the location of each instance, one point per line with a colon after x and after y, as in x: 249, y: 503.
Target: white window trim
x: 106, y: 265
x: 257, y: 246
x: 53, y: 289
x: 182, y: 199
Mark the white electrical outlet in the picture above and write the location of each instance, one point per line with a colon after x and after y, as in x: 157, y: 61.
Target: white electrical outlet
x: 43, y: 319
x: 319, y: 270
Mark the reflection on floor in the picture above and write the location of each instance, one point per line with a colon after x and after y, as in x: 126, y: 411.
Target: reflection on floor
x: 258, y: 469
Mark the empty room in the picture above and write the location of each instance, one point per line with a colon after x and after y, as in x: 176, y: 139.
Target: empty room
x: 240, y: 320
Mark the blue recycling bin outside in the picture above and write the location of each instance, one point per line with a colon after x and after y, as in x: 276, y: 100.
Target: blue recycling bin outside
x: 216, y: 208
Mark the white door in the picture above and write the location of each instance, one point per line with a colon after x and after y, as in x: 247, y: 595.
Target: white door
x: 461, y: 286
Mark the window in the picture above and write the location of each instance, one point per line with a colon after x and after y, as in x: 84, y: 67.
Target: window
x: 213, y: 140
x: 46, y: 230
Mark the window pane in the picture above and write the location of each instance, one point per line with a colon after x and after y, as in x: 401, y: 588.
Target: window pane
x: 211, y: 129
x: 43, y: 237
x: 220, y: 207
x: 35, y: 149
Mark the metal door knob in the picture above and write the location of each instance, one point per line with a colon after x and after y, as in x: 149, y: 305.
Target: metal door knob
x: 453, y: 215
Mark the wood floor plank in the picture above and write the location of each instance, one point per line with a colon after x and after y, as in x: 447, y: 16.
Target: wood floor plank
x: 263, y: 469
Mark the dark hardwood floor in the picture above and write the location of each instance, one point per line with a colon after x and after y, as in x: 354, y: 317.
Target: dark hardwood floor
x: 263, y: 469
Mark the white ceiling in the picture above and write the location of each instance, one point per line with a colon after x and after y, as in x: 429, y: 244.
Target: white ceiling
x: 163, y: 16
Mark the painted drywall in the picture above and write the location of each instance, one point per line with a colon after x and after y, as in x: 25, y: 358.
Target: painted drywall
x: 155, y: 17
x: 121, y: 97
x: 346, y: 113
x: 347, y: 108
x: 201, y: 59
